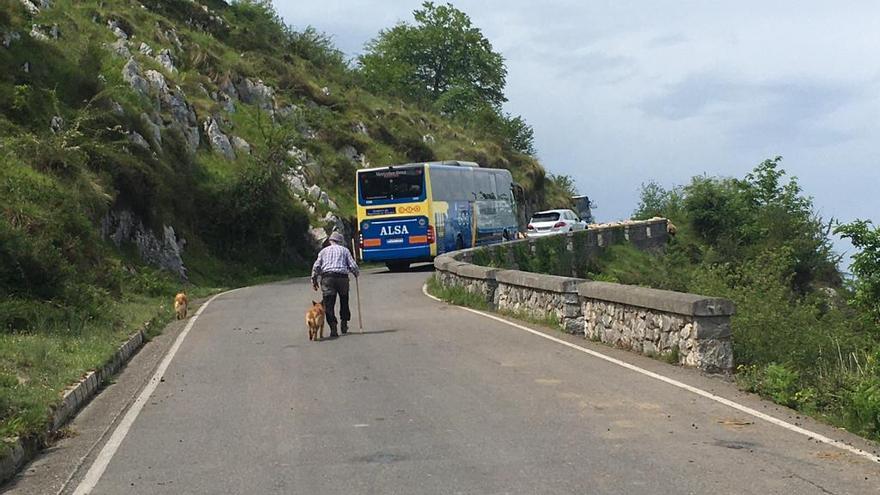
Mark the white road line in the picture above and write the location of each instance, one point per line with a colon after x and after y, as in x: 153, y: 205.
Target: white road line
x: 675, y: 383
x: 90, y: 480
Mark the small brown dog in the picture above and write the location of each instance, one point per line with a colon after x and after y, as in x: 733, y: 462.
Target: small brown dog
x: 315, y: 321
x: 180, y: 305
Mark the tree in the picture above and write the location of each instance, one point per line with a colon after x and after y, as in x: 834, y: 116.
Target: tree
x: 866, y: 264
x: 443, y: 60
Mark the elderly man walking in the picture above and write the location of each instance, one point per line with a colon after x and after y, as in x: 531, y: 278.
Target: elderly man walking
x: 333, y: 265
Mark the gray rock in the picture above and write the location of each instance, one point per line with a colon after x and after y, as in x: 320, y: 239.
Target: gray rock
x: 131, y: 74
x: 145, y: 49
x: 56, y: 124
x: 314, y: 192
x: 30, y: 6
x: 334, y: 223
x: 226, y: 87
x: 120, y: 48
x: 296, y: 183
x: 9, y: 38
x: 287, y: 111
x: 124, y: 227
x: 165, y: 60
x: 138, y: 140
x: 38, y: 34
x: 117, y: 29
x: 226, y: 102
x: 360, y: 128
x: 299, y: 156
x: 325, y: 91
x: 240, y: 145
x: 428, y: 139
x: 219, y: 141
x: 157, y: 82
x: 256, y: 93
x: 324, y: 198
x: 349, y: 152
x: 316, y: 237
x: 171, y: 36
x: 116, y: 109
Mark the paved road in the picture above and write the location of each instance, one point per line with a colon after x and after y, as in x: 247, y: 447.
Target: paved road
x: 434, y: 399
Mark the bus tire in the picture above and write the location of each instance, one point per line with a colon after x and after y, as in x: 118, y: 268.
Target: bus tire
x: 397, y: 266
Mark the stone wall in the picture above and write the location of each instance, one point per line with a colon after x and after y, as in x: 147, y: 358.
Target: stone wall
x: 693, y: 330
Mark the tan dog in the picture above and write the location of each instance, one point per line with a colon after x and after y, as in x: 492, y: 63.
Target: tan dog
x: 180, y: 305
x: 315, y: 321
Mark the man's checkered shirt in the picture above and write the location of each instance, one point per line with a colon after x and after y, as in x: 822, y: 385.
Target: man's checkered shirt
x: 334, y: 259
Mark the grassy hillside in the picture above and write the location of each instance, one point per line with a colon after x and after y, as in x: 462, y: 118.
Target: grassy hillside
x: 154, y: 145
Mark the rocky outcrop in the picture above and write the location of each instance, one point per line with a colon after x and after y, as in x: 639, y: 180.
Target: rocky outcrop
x: 9, y: 38
x: 240, y: 145
x: 123, y: 227
x: 219, y: 142
x: 35, y: 6
x: 256, y: 93
x: 131, y: 73
x: 165, y: 60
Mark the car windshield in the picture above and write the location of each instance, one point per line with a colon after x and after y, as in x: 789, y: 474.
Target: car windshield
x: 401, y: 183
x: 550, y: 216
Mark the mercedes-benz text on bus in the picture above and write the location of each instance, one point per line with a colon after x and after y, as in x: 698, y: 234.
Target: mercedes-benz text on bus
x: 413, y: 212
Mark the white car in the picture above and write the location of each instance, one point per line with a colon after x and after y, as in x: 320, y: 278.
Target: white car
x: 554, y: 222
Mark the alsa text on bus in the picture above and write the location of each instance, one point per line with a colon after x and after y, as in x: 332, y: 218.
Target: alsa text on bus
x: 394, y: 230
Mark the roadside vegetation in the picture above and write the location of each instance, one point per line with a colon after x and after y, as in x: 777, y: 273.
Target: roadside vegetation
x: 68, y: 159
x: 804, y: 336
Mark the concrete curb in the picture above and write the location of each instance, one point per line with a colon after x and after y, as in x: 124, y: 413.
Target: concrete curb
x: 74, y: 399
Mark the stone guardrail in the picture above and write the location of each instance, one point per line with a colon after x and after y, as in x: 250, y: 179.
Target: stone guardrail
x: 689, y: 329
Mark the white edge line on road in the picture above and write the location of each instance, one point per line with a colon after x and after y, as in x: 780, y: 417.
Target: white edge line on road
x: 90, y: 480
x: 684, y: 386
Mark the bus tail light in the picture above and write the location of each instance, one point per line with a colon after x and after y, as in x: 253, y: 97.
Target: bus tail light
x: 430, y: 235
x: 559, y: 225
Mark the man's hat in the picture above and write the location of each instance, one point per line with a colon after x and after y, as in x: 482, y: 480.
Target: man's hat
x: 337, y: 238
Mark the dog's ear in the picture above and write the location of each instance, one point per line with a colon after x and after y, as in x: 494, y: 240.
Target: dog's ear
x: 314, y: 303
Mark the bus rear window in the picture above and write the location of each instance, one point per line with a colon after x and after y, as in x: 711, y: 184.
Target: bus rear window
x: 404, y: 184
x: 545, y: 217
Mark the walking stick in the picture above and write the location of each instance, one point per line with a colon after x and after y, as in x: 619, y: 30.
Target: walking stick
x: 357, y: 291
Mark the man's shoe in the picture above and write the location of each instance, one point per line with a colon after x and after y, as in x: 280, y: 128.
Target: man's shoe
x: 333, y: 333
x: 344, y: 328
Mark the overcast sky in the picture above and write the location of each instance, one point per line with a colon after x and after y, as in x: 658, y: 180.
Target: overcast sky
x: 623, y: 92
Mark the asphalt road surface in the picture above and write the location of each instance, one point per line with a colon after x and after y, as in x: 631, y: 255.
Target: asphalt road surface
x: 432, y: 399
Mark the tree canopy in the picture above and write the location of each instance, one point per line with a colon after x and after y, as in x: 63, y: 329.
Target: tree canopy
x: 443, y: 59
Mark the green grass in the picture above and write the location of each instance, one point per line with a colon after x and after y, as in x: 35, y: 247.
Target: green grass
x: 461, y: 297
x: 36, y: 366
x: 456, y: 295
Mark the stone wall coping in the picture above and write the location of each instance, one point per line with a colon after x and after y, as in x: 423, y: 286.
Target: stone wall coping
x: 661, y: 300
x: 473, y: 271
x: 552, y: 283
x: 443, y: 261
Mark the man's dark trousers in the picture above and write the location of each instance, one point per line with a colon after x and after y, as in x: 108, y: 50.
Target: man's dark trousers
x: 331, y: 285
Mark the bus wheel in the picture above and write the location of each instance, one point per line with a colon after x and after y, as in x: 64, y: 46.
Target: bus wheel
x: 397, y: 266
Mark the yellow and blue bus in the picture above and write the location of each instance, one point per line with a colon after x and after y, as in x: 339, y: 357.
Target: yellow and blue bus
x: 413, y: 212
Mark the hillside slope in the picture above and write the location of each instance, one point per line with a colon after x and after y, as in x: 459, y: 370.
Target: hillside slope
x: 145, y: 145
